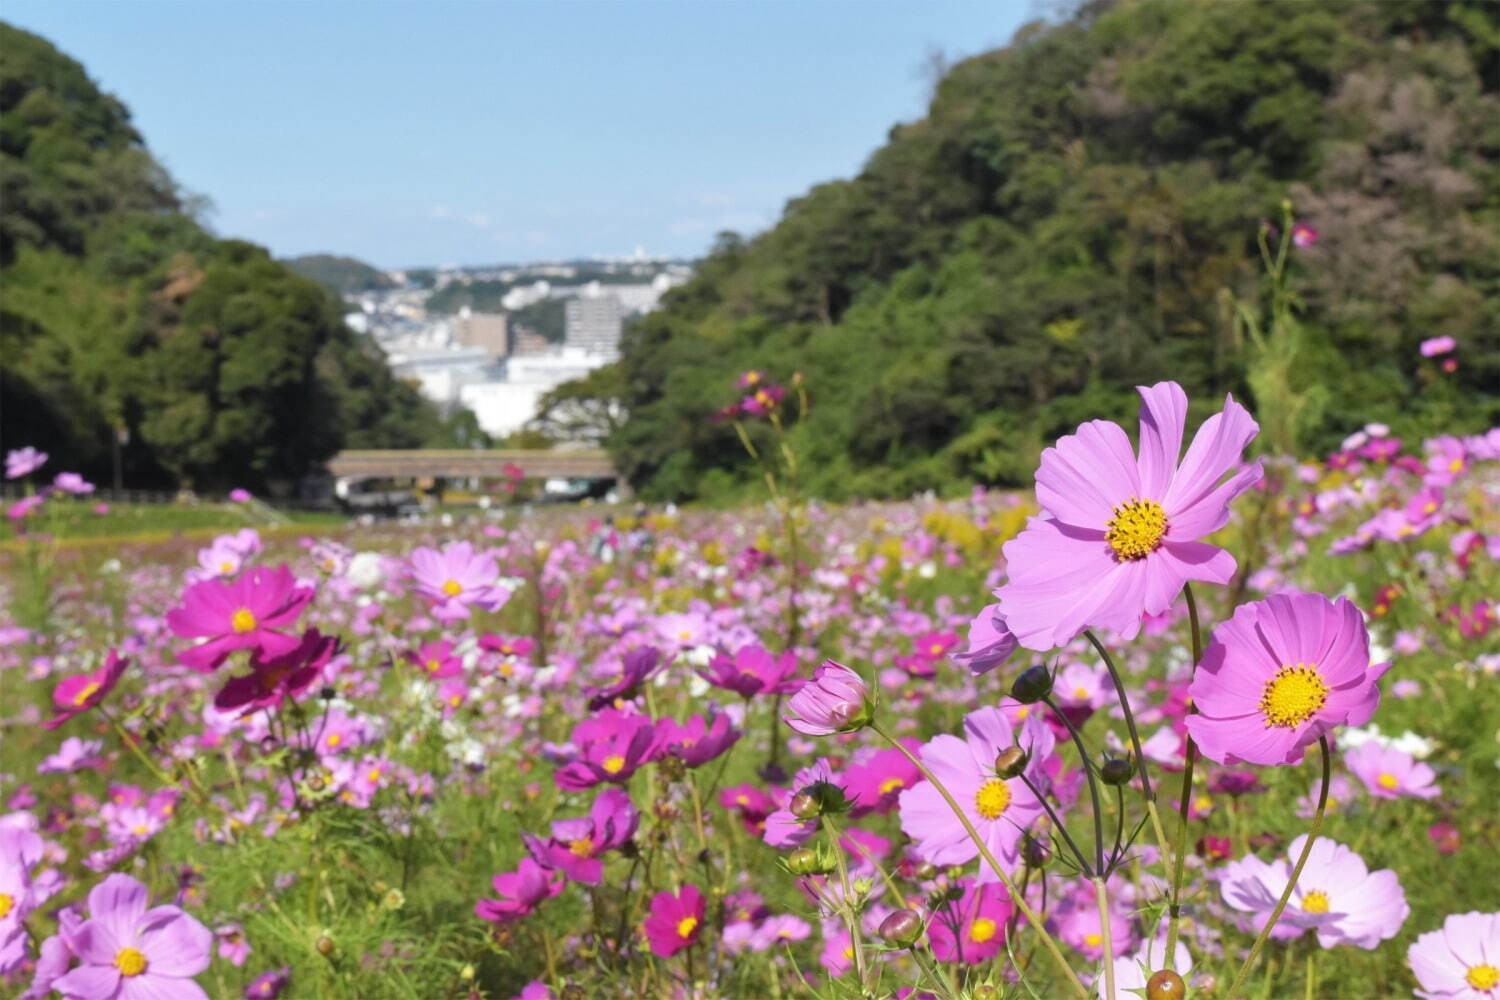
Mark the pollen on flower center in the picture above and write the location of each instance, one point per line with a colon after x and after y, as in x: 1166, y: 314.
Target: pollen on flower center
x: 6, y: 902
x: 614, y: 764
x: 242, y: 621
x: 1315, y: 902
x: 452, y: 588
x: 130, y: 962
x: 889, y: 785
x: 1135, y: 529
x: 686, y: 926
x: 582, y: 847
x: 992, y: 798
x: 982, y: 930
x: 1483, y: 977
x: 1293, y: 696
x: 85, y: 693
x: 1387, y: 780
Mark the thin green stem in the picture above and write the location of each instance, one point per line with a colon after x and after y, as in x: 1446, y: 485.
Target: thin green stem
x: 1311, y: 989
x: 1179, y: 852
x: 1291, y: 885
x: 1088, y: 770
x: 1026, y: 911
x: 1102, y: 897
x: 851, y: 913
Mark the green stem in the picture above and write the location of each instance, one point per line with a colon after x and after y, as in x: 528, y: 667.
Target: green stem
x: 1102, y: 897
x: 1185, y: 804
x: 851, y: 913
x: 1312, y: 974
x: 1291, y: 885
x: 1026, y: 911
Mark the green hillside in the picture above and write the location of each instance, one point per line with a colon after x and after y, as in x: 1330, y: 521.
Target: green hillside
x: 340, y: 275
x: 120, y: 311
x: 1078, y: 213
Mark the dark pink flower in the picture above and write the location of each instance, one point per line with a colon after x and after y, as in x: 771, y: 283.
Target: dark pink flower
x: 576, y: 845
x: 972, y: 929
x: 695, y: 742
x: 244, y: 613
x: 675, y: 921
x: 636, y: 666
x: 76, y: 695
x: 1303, y: 235
x: 837, y: 700
x: 520, y: 892
x: 611, y: 746
x: 272, y: 680
x: 751, y: 671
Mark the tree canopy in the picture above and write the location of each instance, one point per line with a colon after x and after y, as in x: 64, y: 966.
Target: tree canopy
x: 1077, y: 214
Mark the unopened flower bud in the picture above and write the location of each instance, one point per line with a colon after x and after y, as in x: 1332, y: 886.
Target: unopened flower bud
x: 985, y: 991
x: 1165, y: 985
x: 804, y: 805
x: 1035, y: 853
x: 1117, y: 771
x: 1034, y: 684
x: 325, y: 945
x: 466, y: 973
x: 901, y: 928
x: 1010, y: 762
x: 924, y: 870
x: 802, y: 862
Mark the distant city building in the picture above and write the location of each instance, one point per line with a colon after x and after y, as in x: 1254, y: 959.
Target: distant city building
x: 506, y: 404
x: 593, y: 325
x: 486, y: 330
x: 524, y: 342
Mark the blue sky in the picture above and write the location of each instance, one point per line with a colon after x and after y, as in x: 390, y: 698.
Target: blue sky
x: 412, y: 133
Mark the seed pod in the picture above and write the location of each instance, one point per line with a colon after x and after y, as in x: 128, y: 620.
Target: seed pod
x: 1034, y: 684
x: 1010, y: 762
x: 1165, y: 985
x: 901, y: 928
x: 1117, y: 771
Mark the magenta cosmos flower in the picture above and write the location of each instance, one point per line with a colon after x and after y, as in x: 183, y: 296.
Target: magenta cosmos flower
x: 520, y: 892
x: 1119, y: 534
x: 1000, y: 809
x: 273, y: 680
x: 1461, y: 961
x: 576, y: 845
x: 751, y: 671
x: 76, y: 695
x: 611, y: 746
x: 1278, y: 675
x: 456, y: 578
x: 971, y: 929
x: 674, y: 922
x: 244, y: 613
x: 991, y: 642
x: 128, y: 951
x: 836, y: 700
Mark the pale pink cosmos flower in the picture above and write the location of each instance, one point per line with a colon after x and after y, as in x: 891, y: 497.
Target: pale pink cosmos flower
x: 1278, y: 675
x: 1434, y: 346
x: 1461, y: 961
x: 23, y: 462
x: 130, y: 952
x: 1390, y: 773
x: 456, y: 579
x: 1119, y: 533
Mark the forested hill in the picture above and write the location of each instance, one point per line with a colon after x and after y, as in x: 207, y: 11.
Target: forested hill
x: 341, y: 275
x: 121, y: 311
x: 1077, y: 214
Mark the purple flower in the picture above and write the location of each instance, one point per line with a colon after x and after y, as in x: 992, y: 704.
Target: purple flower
x: 23, y: 461
x: 1389, y: 773
x: 455, y: 578
x: 990, y: 642
x: 232, y: 944
x: 128, y: 951
x: 1119, y: 534
x: 576, y: 845
x: 612, y: 745
x: 240, y: 495
x: 269, y: 984
x: 520, y: 892
x: 837, y: 700
x: 1303, y: 235
x: 635, y: 668
x: 20, y: 850
x: 271, y: 680
x: 1434, y: 346
x: 695, y: 742
x: 751, y: 671
x: 72, y: 482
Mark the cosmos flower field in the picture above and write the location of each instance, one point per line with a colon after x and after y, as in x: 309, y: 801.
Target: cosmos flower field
x: 1182, y: 721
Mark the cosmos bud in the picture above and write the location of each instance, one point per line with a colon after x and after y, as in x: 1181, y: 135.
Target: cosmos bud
x: 985, y: 991
x: 325, y: 945
x: 901, y: 928
x: 1117, y: 771
x: 804, y: 805
x: 1165, y: 985
x: 1010, y: 762
x: 1034, y: 684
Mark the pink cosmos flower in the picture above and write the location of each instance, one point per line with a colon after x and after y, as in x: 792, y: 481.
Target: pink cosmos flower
x: 274, y: 679
x: 635, y: 667
x: 751, y: 671
x: 130, y: 952
x: 675, y: 921
x: 837, y: 700
x: 20, y: 851
x: 991, y: 642
x: 269, y: 984
x: 244, y: 613
x: 784, y: 829
x: 877, y: 778
x: 1079, y: 925
x: 972, y: 929
x: 1303, y: 235
x: 1461, y: 961
x: 1000, y: 809
x: 436, y: 660
x: 456, y: 578
x: 611, y: 746
x: 751, y: 804
x: 76, y: 695
x: 696, y: 741
x: 72, y: 482
x: 1336, y: 895
x: 1278, y: 675
x: 520, y: 892
x: 25, y: 507
x: 239, y: 495
x: 576, y: 845
x: 1434, y: 346
x: 23, y: 462
x: 1390, y: 773
x: 762, y: 401
x: 1119, y: 534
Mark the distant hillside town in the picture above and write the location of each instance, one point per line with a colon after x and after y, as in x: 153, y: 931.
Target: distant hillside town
x: 494, y: 340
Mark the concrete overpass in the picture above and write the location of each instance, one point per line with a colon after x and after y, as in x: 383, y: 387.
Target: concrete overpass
x: 464, y: 464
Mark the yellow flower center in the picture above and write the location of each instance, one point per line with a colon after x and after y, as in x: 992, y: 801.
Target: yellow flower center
x: 889, y: 785
x: 1293, y: 696
x: 936, y: 649
x: 1093, y: 940
x: 130, y: 962
x: 334, y: 739
x: 373, y: 776
x: 1456, y: 465
x: 1080, y: 693
x: 992, y: 798
x: 582, y: 847
x: 1483, y: 977
x: 85, y: 693
x: 1387, y: 780
x: 433, y: 665
x: 452, y: 588
x: 242, y: 621
x: 686, y: 926
x: 139, y: 829
x: 1136, y: 528
x: 1315, y: 902
x: 614, y: 764
x: 226, y: 567
x: 6, y: 902
x: 982, y: 930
